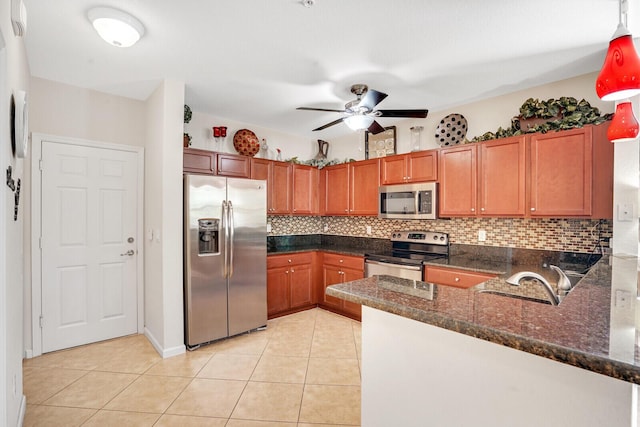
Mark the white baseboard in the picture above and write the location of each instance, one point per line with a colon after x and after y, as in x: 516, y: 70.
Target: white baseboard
x: 23, y: 410
x: 28, y: 353
x: 164, y: 352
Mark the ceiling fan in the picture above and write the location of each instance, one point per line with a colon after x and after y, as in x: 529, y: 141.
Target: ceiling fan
x: 360, y: 113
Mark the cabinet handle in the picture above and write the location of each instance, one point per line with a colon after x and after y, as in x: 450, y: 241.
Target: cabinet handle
x: 533, y: 209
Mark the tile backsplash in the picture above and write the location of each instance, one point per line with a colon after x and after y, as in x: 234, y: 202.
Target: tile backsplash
x: 567, y: 235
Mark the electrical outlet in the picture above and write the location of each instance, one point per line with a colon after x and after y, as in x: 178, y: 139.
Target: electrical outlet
x: 623, y: 298
x: 268, y: 228
x: 368, y: 229
x: 482, y: 235
x: 325, y: 228
x: 625, y: 212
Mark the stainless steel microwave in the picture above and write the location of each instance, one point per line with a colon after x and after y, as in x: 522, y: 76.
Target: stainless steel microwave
x: 408, y: 201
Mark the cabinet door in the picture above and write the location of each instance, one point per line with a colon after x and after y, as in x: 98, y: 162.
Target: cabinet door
x: 422, y: 166
x: 363, y: 188
x: 281, y: 188
x: 233, y: 165
x: 337, y: 189
x: 198, y: 161
x: 501, y: 177
x: 277, y: 290
x: 348, y: 306
x: 393, y: 170
x: 260, y: 169
x: 305, y: 189
x: 561, y: 168
x: 456, y: 278
x: 458, y: 181
x: 330, y: 276
x: 301, y: 283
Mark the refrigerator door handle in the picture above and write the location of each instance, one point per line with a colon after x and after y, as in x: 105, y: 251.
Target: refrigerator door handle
x: 225, y: 225
x: 232, y: 233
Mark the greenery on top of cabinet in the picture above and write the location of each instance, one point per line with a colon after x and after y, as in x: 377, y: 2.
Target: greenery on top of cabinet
x: 550, y: 115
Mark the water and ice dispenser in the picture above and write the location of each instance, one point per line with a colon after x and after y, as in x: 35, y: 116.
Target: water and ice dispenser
x: 208, y: 236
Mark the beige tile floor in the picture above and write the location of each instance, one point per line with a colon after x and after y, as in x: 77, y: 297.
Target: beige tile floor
x: 303, y: 370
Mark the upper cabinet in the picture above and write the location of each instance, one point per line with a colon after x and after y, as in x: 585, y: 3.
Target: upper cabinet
x: 291, y: 189
x: 572, y: 173
x: 212, y: 163
x: 199, y: 161
x: 351, y: 188
x: 557, y: 174
x: 418, y: 166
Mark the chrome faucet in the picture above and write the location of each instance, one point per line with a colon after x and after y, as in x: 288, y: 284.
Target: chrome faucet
x: 564, y: 285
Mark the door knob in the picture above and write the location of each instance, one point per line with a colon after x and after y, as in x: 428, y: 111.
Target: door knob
x: 130, y: 252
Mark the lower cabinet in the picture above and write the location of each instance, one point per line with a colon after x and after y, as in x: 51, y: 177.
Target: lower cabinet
x: 290, y: 283
x: 454, y: 277
x: 338, y: 269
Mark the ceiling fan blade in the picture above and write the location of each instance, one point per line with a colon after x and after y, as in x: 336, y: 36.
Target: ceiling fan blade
x: 319, y: 109
x: 375, y: 128
x: 416, y: 114
x: 372, y: 98
x: 335, y: 122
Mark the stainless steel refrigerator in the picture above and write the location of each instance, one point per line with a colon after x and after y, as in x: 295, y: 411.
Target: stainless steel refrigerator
x: 225, y: 257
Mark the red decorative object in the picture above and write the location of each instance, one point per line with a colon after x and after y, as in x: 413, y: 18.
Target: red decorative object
x: 223, y: 131
x: 619, y: 77
x: 246, y: 142
x: 216, y: 132
x: 624, y: 126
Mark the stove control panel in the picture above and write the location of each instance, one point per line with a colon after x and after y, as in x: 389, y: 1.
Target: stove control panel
x: 418, y: 236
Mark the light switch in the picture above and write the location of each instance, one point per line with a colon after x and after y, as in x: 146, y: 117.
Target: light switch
x: 623, y: 298
x: 150, y: 234
x: 482, y: 235
x: 625, y: 212
x: 268, y: 228
x: 368, y: 229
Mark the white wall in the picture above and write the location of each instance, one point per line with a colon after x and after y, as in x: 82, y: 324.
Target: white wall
x: 15, y: 75
x: 163, y: 215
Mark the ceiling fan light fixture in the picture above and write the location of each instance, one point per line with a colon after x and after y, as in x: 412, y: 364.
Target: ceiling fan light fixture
x: 359, y: 122
x: 624, y: 126
x: 619, y: 77
x: 116, y: 27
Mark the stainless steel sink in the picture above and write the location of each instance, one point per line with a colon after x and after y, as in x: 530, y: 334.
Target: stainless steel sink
x: 507, y: 294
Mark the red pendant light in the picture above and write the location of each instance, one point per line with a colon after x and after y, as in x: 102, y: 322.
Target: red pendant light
x: 624, y: 126
x: 619, y: 77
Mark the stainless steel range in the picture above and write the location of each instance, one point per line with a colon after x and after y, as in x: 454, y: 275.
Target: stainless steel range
x: 409, y: 250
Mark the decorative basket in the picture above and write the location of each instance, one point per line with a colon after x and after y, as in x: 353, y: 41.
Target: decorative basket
x: 246, y: 142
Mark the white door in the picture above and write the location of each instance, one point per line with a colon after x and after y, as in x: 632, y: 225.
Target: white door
x: 89, y: 252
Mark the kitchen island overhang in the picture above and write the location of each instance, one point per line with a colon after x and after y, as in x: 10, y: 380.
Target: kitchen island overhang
x: 588, y: 333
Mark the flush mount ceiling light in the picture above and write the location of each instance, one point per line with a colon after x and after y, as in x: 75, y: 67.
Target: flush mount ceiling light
x: 620, y: 74
x: 624, y: 126
x: 115, y: 26
x: 359, y: 122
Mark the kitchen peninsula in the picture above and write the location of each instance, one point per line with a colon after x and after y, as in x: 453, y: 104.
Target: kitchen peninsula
x: 448, y: 356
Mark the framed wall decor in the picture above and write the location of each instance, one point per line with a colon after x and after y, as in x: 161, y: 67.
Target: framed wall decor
x: 380, y: 145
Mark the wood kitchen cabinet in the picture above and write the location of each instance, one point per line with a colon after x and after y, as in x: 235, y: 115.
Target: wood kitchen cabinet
x: 418, y: 166
x: 290, y: 283
x: 198, y: 161
x: 571, y: 173
x: 233, y: 165
x: 278, y: 176
x: 304, y: 192
x: 454, y: 277
x: 351, y: 188
x: 339, y: 269
x: 458, y: 181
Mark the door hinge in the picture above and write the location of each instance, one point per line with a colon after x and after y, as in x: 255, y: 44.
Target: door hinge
x: 41, y: 321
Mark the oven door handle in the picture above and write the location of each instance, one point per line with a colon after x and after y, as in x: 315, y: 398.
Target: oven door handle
x: 402, y: 266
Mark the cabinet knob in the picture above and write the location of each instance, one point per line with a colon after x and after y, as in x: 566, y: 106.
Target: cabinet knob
x: 286, y: 272
x: 294, y: 210
x: 341, y: 260
x: 473, y: 209
x: 457, y: 279
x: 346, y: 210
x: 292, y: 270
x: 289, y: 261
x: 482, y: 209
x: 533, y: 209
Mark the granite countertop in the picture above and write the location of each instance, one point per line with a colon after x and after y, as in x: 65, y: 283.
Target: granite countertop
x: 589, y: 329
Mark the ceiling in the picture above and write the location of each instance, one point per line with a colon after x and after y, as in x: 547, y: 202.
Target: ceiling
x: 255, y: 61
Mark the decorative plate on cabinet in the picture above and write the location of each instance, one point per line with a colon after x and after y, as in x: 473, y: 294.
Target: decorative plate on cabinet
x: 451, y: 130
x: 246, y: 142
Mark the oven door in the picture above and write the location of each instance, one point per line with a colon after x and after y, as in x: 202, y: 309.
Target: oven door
x: 373, y: 268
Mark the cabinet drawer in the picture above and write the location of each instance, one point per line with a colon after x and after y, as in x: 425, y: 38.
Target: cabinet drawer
x: 274, y: 261
x: 346, y: 261
x: 453, y: 277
